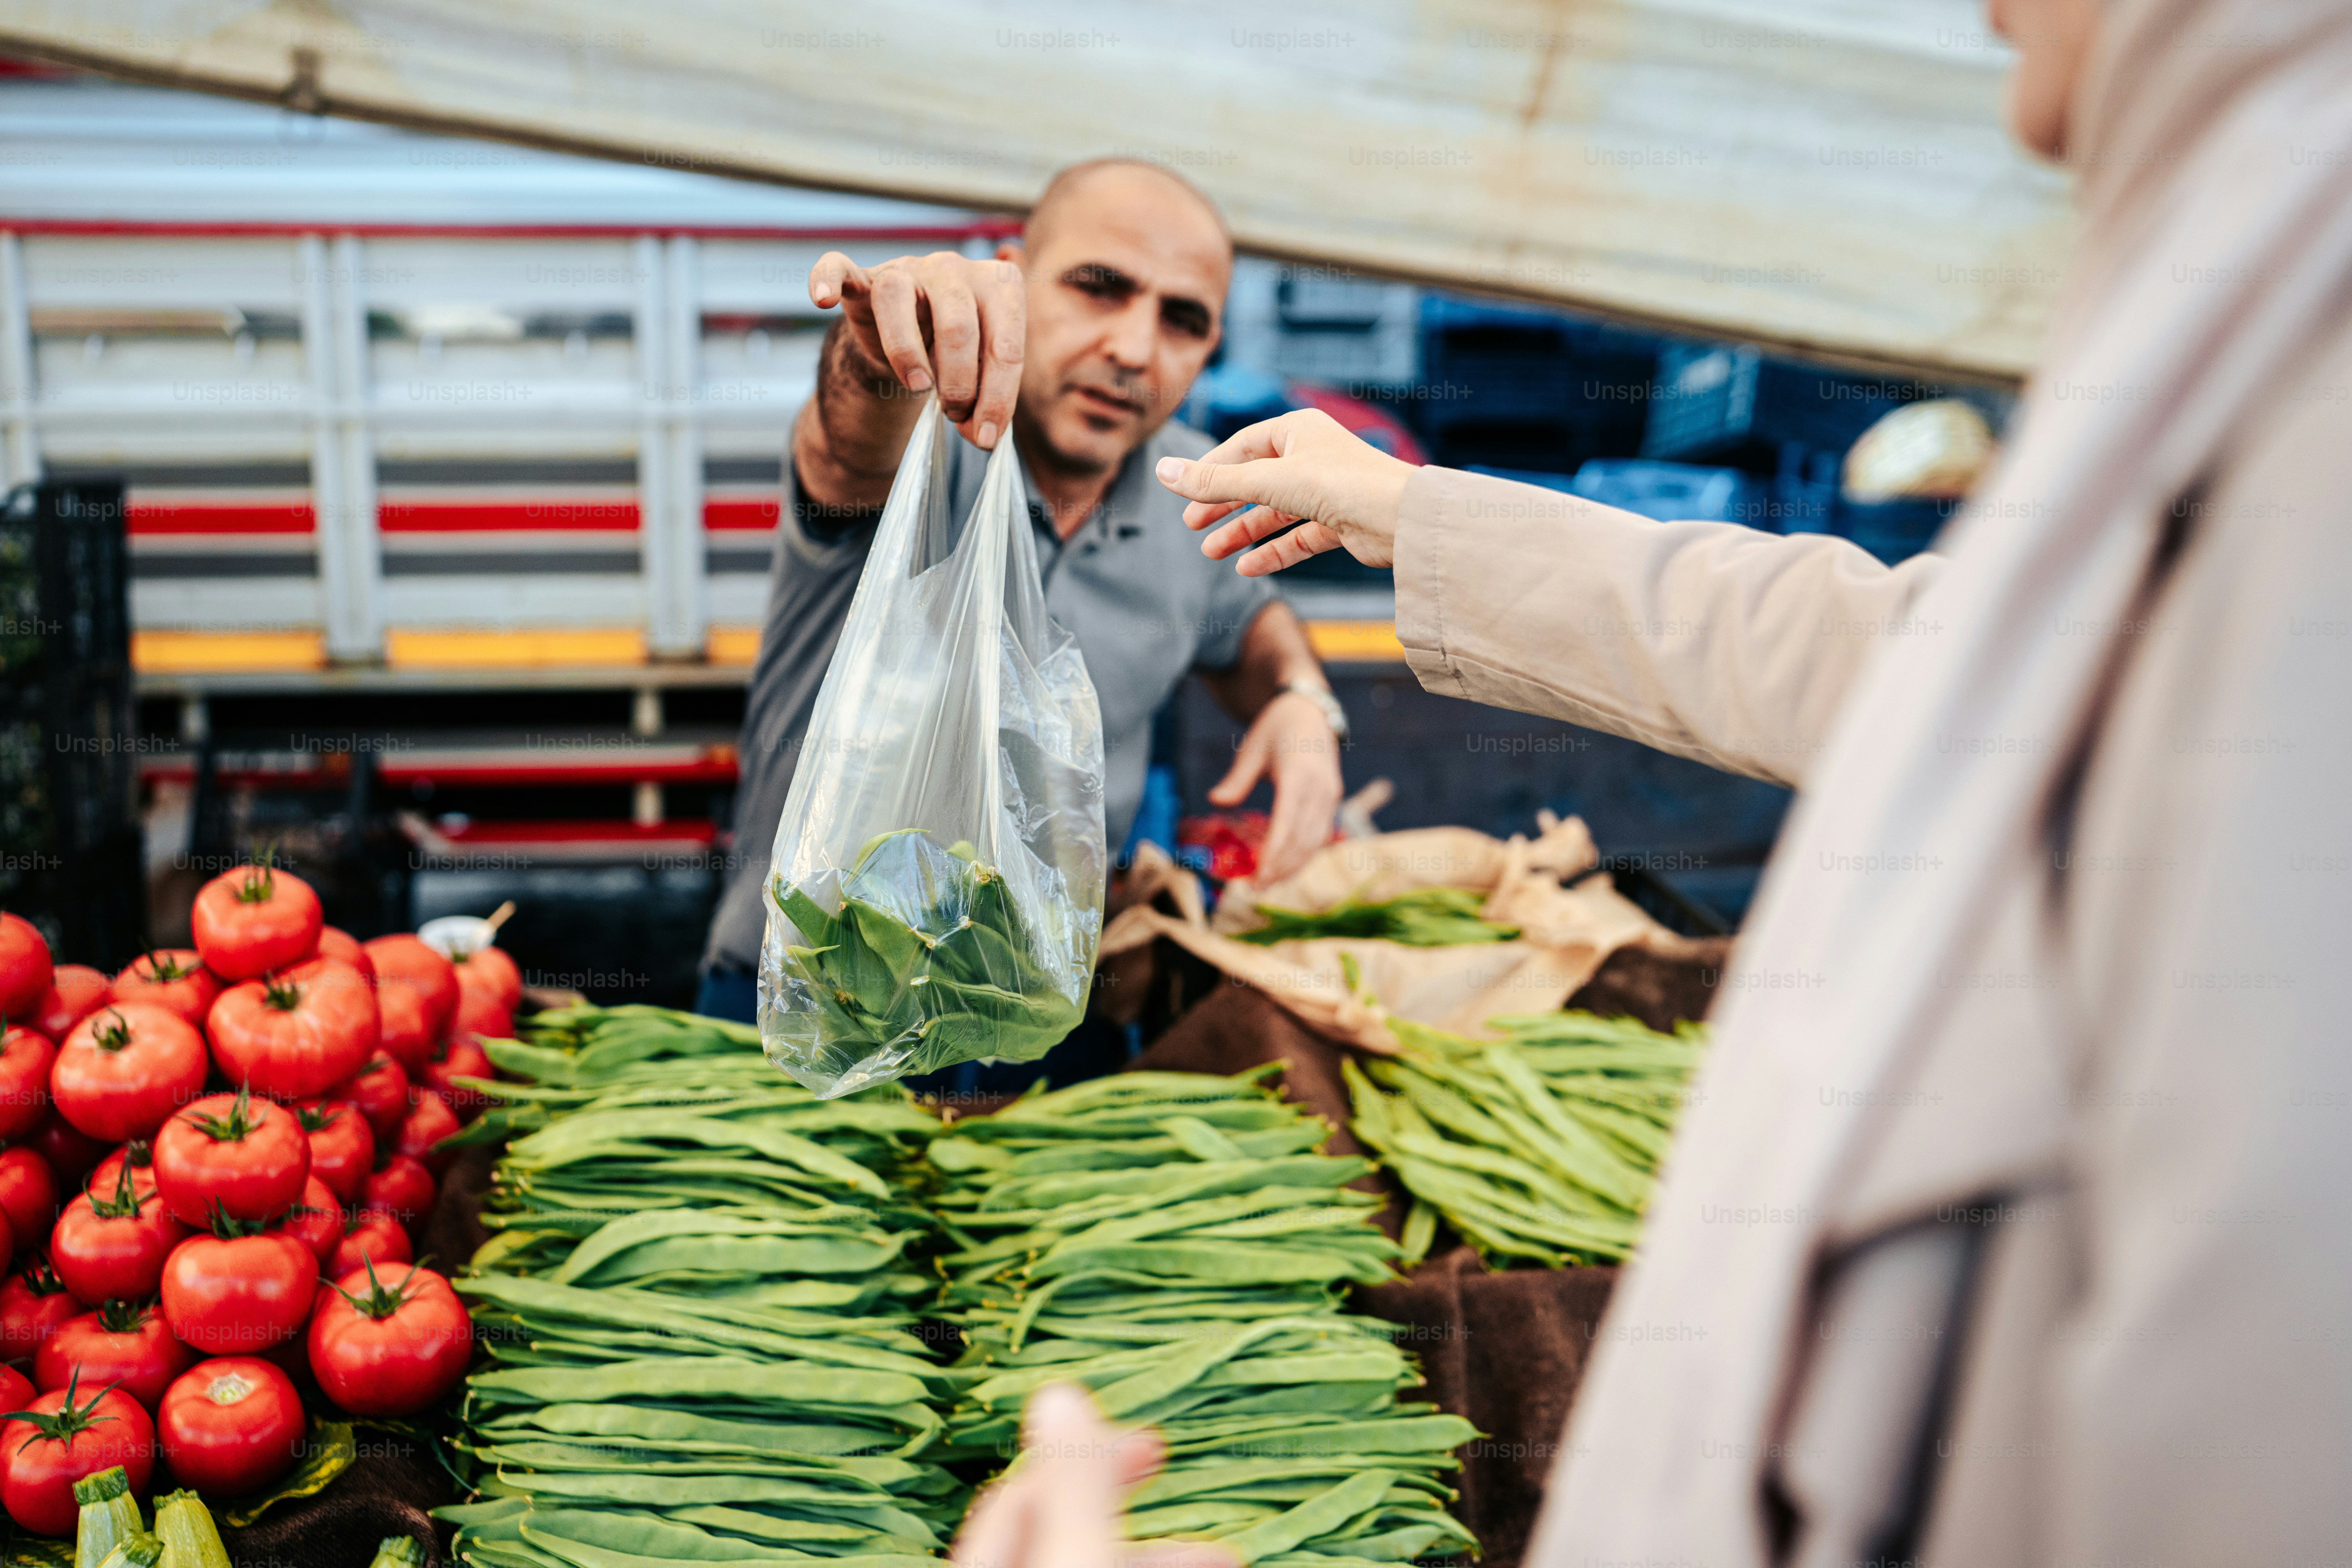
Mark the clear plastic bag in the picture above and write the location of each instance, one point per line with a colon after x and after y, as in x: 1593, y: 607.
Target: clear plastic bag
x: 936, y: 891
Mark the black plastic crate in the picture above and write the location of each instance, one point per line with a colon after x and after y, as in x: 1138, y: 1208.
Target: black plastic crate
x: 70, y: 857
x: 1529, y: 389
x: 1728, y: 404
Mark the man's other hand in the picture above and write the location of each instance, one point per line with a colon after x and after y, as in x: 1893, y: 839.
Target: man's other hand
x: 1291, y: 741
x: 942, y: 319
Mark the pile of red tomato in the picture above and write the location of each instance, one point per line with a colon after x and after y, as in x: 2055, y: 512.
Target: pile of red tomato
x: 249, y: 1134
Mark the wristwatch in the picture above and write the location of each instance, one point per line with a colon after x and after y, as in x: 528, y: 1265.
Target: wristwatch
x: 1329, y: 705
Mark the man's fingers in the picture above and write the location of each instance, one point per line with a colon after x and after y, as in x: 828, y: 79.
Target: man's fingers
x: 955, y: 345
x: 898, y: 328
x: 1308, y: 539
x: 834, y: 275
x: 1004, y: 325
x: 1241, y: 778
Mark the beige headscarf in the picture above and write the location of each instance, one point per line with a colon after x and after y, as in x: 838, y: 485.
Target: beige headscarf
x: 2213, y: 256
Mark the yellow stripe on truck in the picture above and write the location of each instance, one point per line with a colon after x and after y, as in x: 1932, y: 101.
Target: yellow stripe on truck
x: 194, y: 653
x: 450, y: 648
x: 1354, y: 642
x: 734, y: 645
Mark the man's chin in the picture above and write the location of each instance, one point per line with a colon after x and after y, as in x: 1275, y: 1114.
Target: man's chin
x: 1072, y: 443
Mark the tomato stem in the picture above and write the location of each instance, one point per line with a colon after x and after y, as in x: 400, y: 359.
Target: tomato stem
x: 113, y: 1036
x: 260, y: 878
x: 378, y: 1303
x: 238, y: 1124
x: 70, y: 1420
x: 280, y: 994
x: 229, y: 1227
x: 126, y: 1201
x: 120, y: 1317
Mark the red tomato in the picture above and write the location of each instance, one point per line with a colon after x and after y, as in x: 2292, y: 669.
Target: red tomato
x: 125, y: 1069
x: 401, y: 1188
x: 63, y: 1436
x: 490, y: 974
x: 173, y: 977
x: 230, y: 1425
x: 317, y: 1220
x: 254, y: 919
x: 139, y: 1155
x: 429, y: 1121
x: 297, y: 1032
x: 25, y: 971
x: 336, y: 942
x: 233, y: 1154
x: 70, y: 1151
x: 390, y: 1341
x: 121, y: 1345
x: 479, y: 1018
x: 26, y: 1057
x: 381, y: 1090
x: 416, y: 992
x: 370, y: 1237
x: 453, y: 1059
x: 33, y: 1302
x: 343, y: 1145
x: 28, y: 1193
x: 15, y: 1388
x: 111, y: 1243
x: 74, y: 990
x: 239, y: 1294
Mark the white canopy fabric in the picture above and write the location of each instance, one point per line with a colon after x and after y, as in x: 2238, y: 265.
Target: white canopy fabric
x: 1829, y: 175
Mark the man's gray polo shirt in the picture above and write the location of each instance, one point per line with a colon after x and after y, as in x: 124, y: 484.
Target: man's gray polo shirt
x: 1131, y: 585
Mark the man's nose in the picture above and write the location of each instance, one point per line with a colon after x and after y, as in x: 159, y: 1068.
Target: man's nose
x: 1133, y: 333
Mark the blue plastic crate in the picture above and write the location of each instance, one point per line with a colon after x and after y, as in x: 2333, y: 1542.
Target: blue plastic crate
x: 1897, y: 530
x: 1732, y: 404
x: 1671, y: 492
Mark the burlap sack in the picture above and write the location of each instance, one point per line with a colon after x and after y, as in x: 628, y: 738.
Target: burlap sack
x: 1566, y: 932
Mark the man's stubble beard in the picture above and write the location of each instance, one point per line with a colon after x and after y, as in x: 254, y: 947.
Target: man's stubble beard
x: 1040, y: 452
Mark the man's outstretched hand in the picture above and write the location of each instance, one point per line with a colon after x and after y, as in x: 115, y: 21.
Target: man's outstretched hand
x: 941, y: 320
x: 1059, y: 1506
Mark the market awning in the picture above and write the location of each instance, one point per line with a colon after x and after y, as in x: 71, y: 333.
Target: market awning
x: 1820, y: 173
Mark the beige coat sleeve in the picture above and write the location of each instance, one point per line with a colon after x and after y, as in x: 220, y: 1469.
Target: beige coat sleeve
x: 1709, y: 640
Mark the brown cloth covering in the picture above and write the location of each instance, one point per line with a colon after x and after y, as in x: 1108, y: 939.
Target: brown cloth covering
x: 1503, y: 1350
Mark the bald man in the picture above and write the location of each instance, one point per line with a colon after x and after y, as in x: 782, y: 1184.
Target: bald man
x: 1081, y: 341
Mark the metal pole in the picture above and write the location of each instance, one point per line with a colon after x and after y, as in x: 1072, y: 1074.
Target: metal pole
x: 687, y: 616
x: 20, y: 452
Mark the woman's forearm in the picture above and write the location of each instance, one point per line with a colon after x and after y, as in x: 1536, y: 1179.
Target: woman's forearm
x: 1708, y: 640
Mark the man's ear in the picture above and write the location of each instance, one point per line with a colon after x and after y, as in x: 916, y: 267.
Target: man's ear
x: 1010, y: 250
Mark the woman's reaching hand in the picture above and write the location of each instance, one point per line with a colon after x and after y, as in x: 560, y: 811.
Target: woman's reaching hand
x: 1302, y: 467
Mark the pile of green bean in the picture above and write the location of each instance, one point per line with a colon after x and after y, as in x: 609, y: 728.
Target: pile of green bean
x: 1175, y: 1243
x: 1426, y: 917
x: 1542, y: 1145
x: 696, y: 1302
